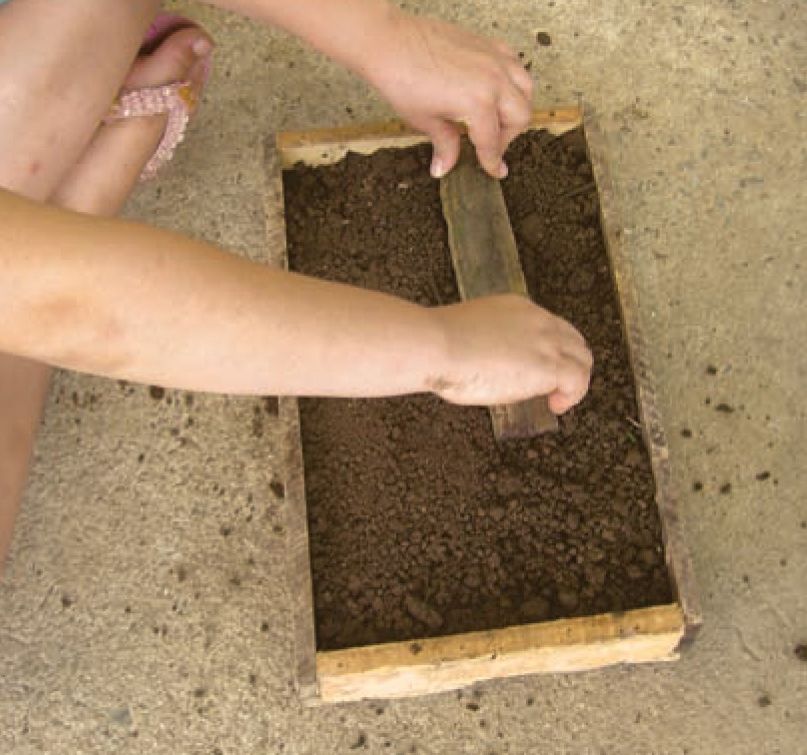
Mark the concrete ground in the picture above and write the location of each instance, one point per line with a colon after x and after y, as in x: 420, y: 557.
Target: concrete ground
x: 145, y: 607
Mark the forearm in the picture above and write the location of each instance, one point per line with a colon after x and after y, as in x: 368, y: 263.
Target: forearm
x: 344, y: 30
x: 128, y: 301
x: 434, y: 74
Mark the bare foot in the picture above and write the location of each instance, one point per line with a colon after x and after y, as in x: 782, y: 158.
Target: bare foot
x: 108, y: 170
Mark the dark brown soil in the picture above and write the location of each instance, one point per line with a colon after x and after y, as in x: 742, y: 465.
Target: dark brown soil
x: 421, y: 525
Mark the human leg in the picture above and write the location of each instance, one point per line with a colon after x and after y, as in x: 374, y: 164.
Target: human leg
x: 109, y: 168
x: 61, y: 65
x: 99, y: 184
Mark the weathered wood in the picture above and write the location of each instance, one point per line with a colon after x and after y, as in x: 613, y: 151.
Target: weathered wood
x: 485, y: 257
x: 679, y: 561
x: 405, y: 669
x: 326, y: 146
x: 298, y: 558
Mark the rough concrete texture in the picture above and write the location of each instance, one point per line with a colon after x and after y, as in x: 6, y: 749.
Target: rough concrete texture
x: 145, y: 607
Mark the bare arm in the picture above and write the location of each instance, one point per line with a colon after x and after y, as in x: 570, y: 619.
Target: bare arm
x: 124, y: 300
x: 344, y: 30
x: 433, y: 73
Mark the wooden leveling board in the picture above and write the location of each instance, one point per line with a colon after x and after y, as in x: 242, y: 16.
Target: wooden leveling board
x: 486, y: 262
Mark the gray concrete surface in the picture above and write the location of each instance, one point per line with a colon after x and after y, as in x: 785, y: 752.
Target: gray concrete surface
x: 145, y: 608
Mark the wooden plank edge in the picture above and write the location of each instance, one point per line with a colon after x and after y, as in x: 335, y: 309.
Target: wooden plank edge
x: 679, y: 561
x: 325, y: 146
x: 298, y: 559
x: 426, y: 666
x: 402, y: 682
x: 524, y: 419
x: 298, y: 564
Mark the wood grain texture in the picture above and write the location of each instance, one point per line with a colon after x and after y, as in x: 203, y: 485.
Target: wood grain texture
x: 405, y: 669
x: 325, y: 146
x: 679, y: 561
x: 486, y: 262
x: 298, y: 557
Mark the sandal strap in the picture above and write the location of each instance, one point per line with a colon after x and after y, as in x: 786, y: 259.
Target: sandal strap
x: 177, y: 100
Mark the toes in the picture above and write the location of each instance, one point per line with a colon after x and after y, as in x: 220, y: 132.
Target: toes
x: 183, y: 53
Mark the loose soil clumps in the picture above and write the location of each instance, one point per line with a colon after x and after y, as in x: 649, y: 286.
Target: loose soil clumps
x: 420, y: 523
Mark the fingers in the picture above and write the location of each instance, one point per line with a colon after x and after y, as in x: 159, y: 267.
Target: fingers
x: 573, y: 341
x: 520, y: 76
x: 494, y: 102
x: 523, y: 81
x: 560, y: 403
x: 572, y: 364
x: 484, y: 130
x: 515, y: 104
x: 504, y: 49
x: 507, y: 111
x: 580, y: 355
x: 445, y: 137
x: 514, y: 117
x: 573, y: 374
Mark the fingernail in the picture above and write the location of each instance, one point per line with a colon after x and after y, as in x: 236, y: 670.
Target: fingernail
x: 202, y: 46
x: 438, y: 169
x: 503, y: 170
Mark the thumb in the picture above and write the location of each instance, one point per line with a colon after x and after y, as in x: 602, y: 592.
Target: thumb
x: 445, y: 137
x: 559, y: 402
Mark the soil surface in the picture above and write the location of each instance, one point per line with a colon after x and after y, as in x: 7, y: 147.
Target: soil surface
x: 420, y: 523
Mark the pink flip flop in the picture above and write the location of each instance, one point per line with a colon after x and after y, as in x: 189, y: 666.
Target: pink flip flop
x: 176, y: 100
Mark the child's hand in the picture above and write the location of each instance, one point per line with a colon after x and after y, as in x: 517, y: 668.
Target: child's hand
x: 503, y: 349
x: 436, y: 75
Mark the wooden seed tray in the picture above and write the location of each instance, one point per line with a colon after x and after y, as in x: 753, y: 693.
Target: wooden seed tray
x: 427, y: 665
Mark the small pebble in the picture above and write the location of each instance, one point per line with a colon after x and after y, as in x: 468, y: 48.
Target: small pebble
x: 422, y: 612
x: 633, y: 457
x: 568, y: 599
x: 535, y: 609
x: 543, y: 39
x: 634, y: 572
x: 647, y: 556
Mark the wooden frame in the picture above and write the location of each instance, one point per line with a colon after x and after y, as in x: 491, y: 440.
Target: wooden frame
x: 402, y: 669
